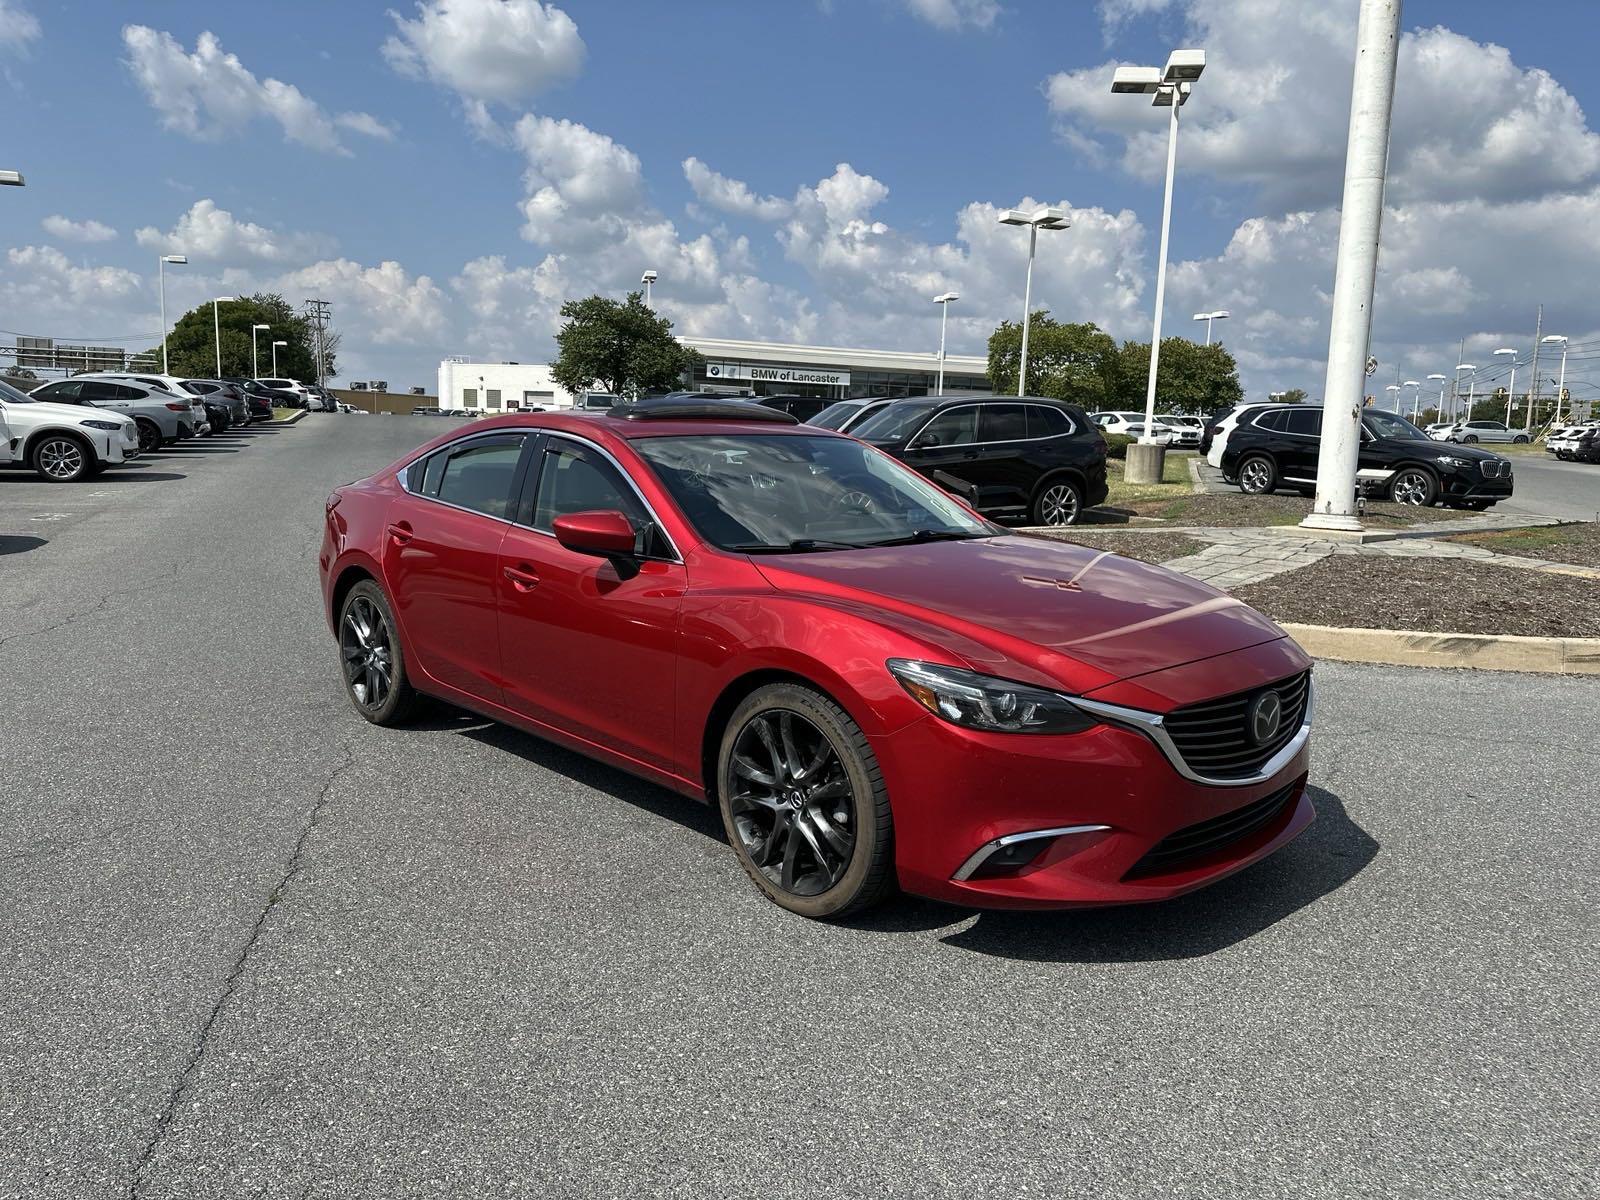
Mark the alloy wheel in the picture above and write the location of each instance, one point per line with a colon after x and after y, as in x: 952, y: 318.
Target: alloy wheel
x: 1059, y: 505
x: 792, y: 803
x: 1254, y: 476
x: 1410, y: 488
x: 366, y: 650
x: 61, y: 458
x: 149, y: 438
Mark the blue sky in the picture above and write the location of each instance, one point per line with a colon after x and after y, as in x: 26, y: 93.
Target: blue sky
x: 448, y: 172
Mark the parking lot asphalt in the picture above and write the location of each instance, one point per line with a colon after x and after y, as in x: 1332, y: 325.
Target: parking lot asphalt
x: 253, y: 946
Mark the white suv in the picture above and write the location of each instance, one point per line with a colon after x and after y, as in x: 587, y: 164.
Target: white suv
x: 1131, y: 424
x: 312, y: 400
x: 62, y: 442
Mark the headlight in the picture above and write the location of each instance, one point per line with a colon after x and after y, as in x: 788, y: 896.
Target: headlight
x: 113, y: 426
x: 1446, y: 460
x: 976, y: 701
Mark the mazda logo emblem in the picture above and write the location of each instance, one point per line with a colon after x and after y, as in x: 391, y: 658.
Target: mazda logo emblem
x: 1265, y: 715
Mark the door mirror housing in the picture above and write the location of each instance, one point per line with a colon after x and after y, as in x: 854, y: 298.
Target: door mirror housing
x: 603, y: 532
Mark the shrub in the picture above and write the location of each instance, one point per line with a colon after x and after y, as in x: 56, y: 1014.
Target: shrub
x: 1117, y: 445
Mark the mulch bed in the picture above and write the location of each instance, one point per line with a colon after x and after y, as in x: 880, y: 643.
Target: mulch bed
x: 1576, y: 544
x: 1146, y: 547
x: 1438, y: 595
x: 1233, y: 512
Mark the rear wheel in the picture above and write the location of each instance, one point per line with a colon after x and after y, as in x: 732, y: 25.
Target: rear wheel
x: 804, y: 803
x: 370, y: 657
x: 1059, y: 502
x: 1520, y: 440
x: 1414, y: 485
x: 1470, y: 439
x: 1258, y: 475
x: 61, y: 458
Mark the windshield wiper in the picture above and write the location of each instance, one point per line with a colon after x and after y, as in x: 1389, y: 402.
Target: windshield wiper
x: 929, y: 535
x: 798, y: 546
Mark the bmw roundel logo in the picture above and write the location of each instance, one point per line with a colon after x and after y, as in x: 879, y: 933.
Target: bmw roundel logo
x: 713, y: 370
x: 1265, y: 714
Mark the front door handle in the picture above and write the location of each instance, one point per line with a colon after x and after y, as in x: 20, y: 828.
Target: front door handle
x: 400, y: 532
x: 970, y: 454
x: 522, y: 577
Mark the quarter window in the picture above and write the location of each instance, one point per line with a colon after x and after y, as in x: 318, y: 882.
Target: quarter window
x: 1047, y: 422
x: 1271, y: 420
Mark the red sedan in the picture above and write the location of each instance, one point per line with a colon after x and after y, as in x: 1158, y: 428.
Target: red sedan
x: 876, y: 686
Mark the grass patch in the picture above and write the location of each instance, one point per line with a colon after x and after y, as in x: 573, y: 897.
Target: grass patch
x: 1175, y: 481
x: 283, y: 414
x: 1229, y: 511
x: 1152, y: 547
x: 1577, y: 544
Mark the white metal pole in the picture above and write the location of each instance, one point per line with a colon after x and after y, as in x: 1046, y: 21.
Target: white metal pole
x: 161, y: 286
x: 1027, y: 305
x: 1472, y: 394
x: 216, y: 329
x: 1208, y: 330
x: 1561, y: 385
x: 1149, y: 437
x: 255, y: 364
x: 274, y: 360
x: 647, y: 303
x: 1511, y: 395
x: 1361, y: 219
x: 944, y: 316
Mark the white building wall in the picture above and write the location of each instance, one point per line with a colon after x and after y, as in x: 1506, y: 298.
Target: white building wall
x: 499, y: 386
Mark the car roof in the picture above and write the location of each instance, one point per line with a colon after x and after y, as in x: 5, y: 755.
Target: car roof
x: 589, y: 424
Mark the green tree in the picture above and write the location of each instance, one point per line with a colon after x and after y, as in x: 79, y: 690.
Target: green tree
x: 622, y: 346
x: 1191, y: 378
x: 1066, y: 361
x: 192, y: 344
x: 1293, y: 396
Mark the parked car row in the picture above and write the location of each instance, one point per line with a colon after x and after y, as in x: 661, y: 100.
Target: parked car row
x: 73, y: 429
x: 1575, y: 443
x: 1476, y: 431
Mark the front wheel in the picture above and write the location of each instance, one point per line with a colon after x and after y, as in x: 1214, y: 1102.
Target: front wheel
x: 149, y: 437
x: 370, y: 658
x: 1520, y: 440
x: 61, y: 458
x: 1471, y: 439
x: 1257, y: 476
x: 804, y: 803
x: 1059, y: 502
x: 1414, y: 486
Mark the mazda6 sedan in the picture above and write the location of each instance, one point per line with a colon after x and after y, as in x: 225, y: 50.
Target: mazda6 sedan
x: 876, y: 687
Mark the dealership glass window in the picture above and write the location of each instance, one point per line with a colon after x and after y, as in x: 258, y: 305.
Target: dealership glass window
x: 492, y: 397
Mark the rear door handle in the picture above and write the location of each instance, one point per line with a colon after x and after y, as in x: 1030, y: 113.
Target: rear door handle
x: 522, y: 577
x: 400, y: 532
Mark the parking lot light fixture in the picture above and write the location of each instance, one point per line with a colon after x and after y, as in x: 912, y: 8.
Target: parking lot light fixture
x: 216, y: 327
x: 1472, y: 388
x: 944, y: 303
x: 1438, y: 412
x: 11, y: 179
x: 648, y: 278
x: 1220, y: 315
x: 255, y: 365
x: 1168, y: 87
x: 1561, y: 384
x: 275, y: 346
x: 176, y: 260
x: 1044, y: 217
x: 1416, y: 393
x: 1511, y: 389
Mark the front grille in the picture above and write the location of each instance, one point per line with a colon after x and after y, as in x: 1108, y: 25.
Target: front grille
x: 1195, y: 842
x: 1495, y: 468
x: 1216, y: 740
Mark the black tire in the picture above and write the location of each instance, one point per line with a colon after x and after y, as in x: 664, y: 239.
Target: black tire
x: 392, y: 699
x: 1520, y: 439
x: 1471, y: 439
x: 1058, y: 502
x: 1258, y: 475
x: 806, y: 799
x: 1416, y: 486
x: 61, y: 458
x: 149, y: 436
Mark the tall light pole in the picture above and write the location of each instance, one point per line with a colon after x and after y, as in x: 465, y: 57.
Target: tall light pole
x: 1438, y: 412
x: 1416, y: 396
x: 1220, y: 315
x: 1395, y: 388
x: 1040, y: 218
x: 176, y: 260
x: 1511, y: 392
x: 11, y: 179
x: 1562, y: 382
x: 255, y: 366
x: 1472, y: 387
x: 275, y: 346
x: 1168, y: 87
x: 943, y: 302
x: 216, y: 327
x: 648, y: 278
x: 1360, y: 221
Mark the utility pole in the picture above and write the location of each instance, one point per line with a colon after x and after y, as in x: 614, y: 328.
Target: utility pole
x: 1533, y: 375
x: 319, y: 313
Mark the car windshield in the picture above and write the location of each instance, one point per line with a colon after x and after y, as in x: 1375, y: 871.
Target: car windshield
x: 895, y: 423
x: 1387, y: 425
x: 836, y: 414
x: 11, y: 396
x: 791, y: 493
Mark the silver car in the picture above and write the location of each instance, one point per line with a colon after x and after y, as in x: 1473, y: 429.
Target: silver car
x: 162, y: 417
x: 1484, y: 431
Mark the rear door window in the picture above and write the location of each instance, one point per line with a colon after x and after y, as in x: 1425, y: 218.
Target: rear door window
x: 1002, y: 423
x: 1305, y: 422
x: 478, y: 475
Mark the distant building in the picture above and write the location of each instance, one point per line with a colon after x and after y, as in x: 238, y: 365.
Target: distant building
x: 499, y: 386
x: 34, y: 352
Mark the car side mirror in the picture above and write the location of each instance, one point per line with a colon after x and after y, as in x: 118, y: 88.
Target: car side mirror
x: 602, y: 532
x: 924, y: 442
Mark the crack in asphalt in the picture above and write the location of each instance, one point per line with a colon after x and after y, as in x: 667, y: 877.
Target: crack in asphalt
x: 235, y: 973
x: 97, y: 607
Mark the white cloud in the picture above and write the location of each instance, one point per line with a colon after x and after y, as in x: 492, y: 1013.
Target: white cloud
x: 18, y: 27
x: 209, y: 233
x: 731, y: 195
x: 67, y: 230
x: 955, y: 14
x: 383, y: 305
x: 43, y: 278
x: 487, y: 50
x: 209, y: 94
x: 579, y: 183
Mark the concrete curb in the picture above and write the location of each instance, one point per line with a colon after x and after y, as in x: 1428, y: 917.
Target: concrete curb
x: 299, y: 416
x: 1475, y: 651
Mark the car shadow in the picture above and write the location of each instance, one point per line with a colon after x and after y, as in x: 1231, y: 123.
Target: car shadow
x: 1333, y: 851
x: 192, y: 448
x: 134, y: 473
x: 19, y: 544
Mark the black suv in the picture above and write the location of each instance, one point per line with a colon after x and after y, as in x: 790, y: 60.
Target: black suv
x: 1006, y: 455
x: 1276, y: 447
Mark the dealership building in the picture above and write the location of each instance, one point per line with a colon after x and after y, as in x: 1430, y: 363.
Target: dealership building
x: 735, y: 367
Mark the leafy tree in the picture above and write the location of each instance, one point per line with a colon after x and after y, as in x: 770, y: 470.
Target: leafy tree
x: 1293, y: 396
x: 1191, y: 378
x: 621, y: 345
x: 1070, y: 361
x: 192, y: 344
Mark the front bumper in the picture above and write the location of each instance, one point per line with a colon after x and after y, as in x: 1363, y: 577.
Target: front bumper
x: 1475, y: 487
x: 1126, y: 826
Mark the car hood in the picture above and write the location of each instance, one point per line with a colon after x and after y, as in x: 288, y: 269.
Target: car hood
x: 1432, y: 449
x: 1033, y: 608
x: 75, y: 412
